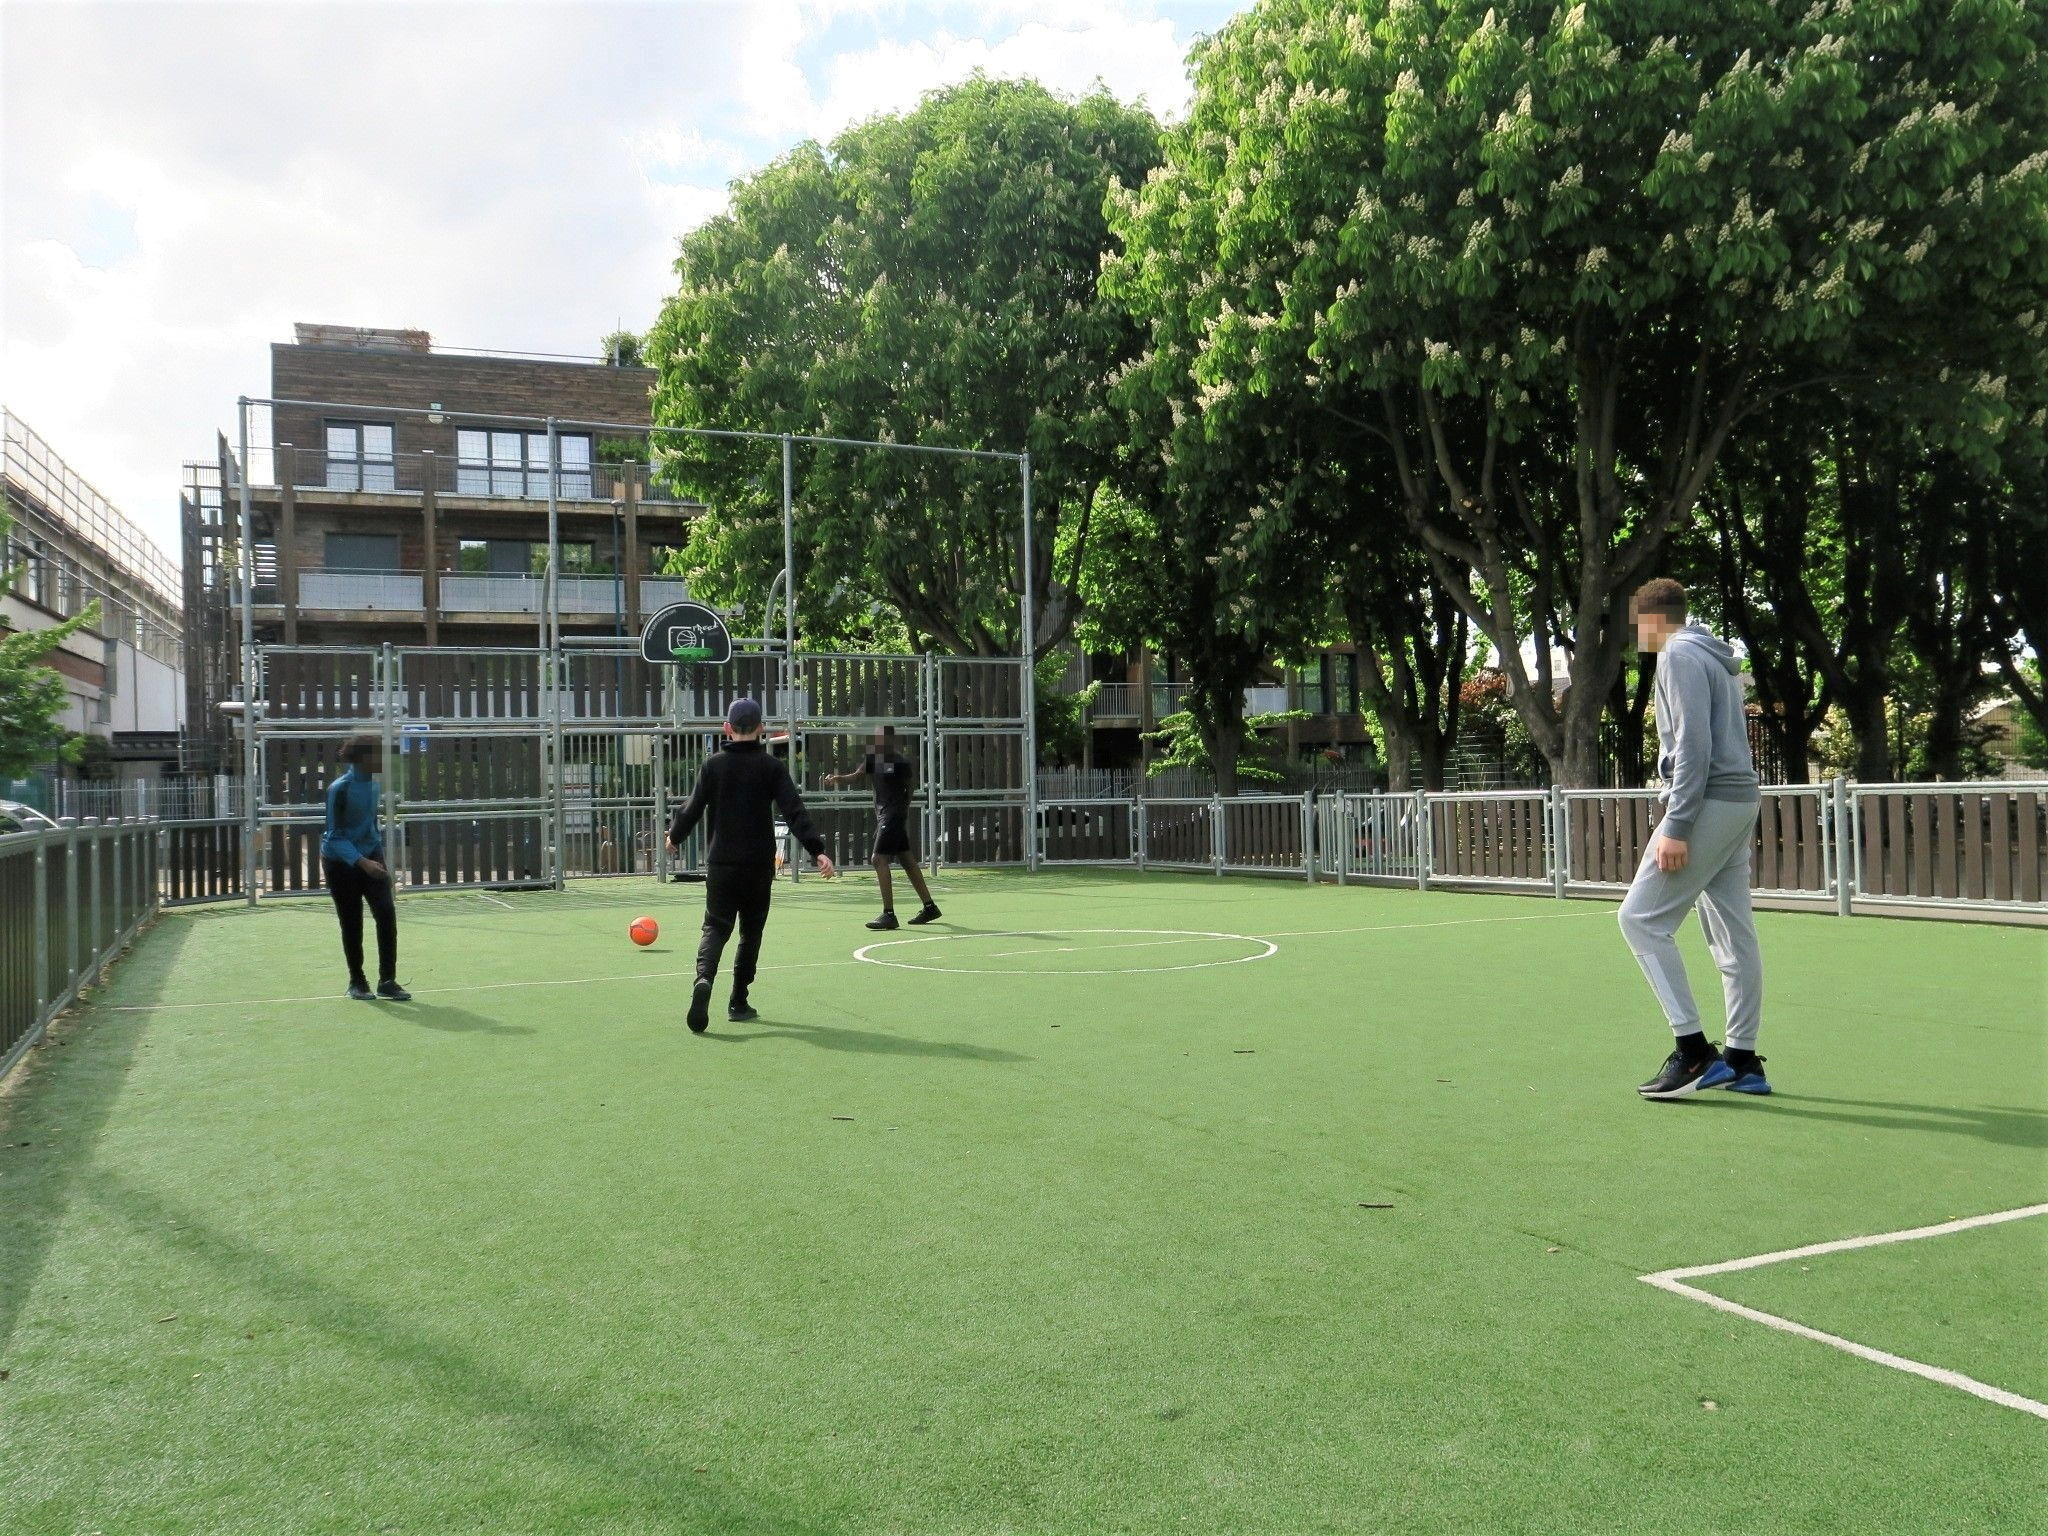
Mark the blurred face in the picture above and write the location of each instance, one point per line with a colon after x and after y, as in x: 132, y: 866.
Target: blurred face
x: 1652, y: 629
x: 371, y: 762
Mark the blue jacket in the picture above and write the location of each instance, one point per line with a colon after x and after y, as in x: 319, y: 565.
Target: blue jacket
x: 352, y: 819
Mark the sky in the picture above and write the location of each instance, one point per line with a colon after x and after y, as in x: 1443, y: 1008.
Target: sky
x: 179, y: 183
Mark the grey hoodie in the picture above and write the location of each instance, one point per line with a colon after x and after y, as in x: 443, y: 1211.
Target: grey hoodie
x: 1702, y: 734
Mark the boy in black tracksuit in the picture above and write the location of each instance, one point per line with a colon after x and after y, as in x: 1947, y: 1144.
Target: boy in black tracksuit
x: 739, y: 790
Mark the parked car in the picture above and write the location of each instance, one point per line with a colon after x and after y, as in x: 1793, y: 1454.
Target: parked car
x: 16, y: 817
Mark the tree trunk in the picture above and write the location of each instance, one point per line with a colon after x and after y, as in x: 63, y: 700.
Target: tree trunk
x: 1870, y: 721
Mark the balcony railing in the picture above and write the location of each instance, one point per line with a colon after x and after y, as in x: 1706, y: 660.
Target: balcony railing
x: 374, y: 591
x: 407, y: 474
x: 1119, y: 701
x: 466, y: 592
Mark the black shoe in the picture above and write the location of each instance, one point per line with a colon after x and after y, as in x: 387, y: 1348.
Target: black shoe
x: 884, y: 923
x: 740, y: 1011
x: 392, y: 992
x: 930, y: 914
x: 699, y: 1016
x: 1681, y: 1077
x: 360, y: 991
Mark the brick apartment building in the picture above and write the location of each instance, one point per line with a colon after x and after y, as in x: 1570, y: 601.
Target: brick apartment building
x: 392, y: 499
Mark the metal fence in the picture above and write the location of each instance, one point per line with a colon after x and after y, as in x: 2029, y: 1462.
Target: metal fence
x: 1979, y: 846
x: 527, y: 767
x: 70, y: 898
x: 492, y: 804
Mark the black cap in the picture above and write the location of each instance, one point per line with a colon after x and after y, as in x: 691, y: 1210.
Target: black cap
x: 744, y: 716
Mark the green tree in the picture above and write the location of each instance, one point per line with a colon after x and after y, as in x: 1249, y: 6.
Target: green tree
x: 32, y: 694
x: 1183, y: 743
x: 1548, y: 261
x: 928, y: 278
x: 623, y: 349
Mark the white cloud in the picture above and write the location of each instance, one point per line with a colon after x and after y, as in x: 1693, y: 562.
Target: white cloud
x: 179, y: 183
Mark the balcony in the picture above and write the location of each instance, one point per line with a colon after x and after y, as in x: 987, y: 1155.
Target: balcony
x: 462, y: 593
x: 360, y: 591
x: 406, y: 475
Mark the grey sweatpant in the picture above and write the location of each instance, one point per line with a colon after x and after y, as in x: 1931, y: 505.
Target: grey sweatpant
x: 1716, y: 876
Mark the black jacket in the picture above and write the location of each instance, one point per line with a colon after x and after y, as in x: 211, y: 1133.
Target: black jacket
x: 739, y: 791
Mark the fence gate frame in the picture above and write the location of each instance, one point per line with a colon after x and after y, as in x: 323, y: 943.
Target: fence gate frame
x: 535, y: 748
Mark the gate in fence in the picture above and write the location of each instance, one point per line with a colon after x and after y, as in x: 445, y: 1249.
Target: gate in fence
x: 525, y: 767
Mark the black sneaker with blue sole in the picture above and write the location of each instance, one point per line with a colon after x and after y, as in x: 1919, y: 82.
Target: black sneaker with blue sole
x: 1745, y: 1078
x: 1680, y: 1078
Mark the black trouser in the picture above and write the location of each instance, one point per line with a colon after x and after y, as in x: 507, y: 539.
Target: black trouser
x: 350, y: 888
x: 734, y: 892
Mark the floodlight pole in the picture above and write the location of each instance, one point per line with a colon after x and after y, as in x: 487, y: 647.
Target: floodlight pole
x: 1030, y: 685
x: 551, y: 640
x: 250, y: 765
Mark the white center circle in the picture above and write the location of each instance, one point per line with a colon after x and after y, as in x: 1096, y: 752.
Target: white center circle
x: 1144, y: 938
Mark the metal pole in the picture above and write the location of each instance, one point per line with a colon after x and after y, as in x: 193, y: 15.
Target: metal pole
x: 1846, y: 851
x: 1030, y: 683
x: 389, y: 712
x: 43, y: 991
x: 1559, y: 832
x: 248, y: 562
x: 790, y: 671
x: 551, y: 616
x: 1423, y: 840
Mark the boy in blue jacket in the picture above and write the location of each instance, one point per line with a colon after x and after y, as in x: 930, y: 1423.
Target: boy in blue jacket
x: 351, y: 854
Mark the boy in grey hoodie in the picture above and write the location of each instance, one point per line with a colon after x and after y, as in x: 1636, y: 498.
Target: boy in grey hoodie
x: 1700, y: 850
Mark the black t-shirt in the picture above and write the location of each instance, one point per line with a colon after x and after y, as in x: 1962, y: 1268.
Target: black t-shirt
x: 738, y: 793
x: 893, y: 778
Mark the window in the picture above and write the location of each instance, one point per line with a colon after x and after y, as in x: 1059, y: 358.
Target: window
x: 1309, y: 692
x: 359, y: 457
x: 494, y: 463
x: 362, y: 552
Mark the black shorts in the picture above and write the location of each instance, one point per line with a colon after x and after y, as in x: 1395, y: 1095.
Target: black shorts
x: 892, y: 837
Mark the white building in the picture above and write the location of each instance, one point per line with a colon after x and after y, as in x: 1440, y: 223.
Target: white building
x: 126, y: 674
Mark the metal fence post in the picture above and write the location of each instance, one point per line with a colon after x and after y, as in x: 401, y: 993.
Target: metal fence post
x: 1139, y: 837
x: 1308, y: 836
x: 71, y: 885
x: 44, y: 994
x: 388, y: 710
x: 1216, y: 836
x: 1423, y: 840
x: 1559, y: 834
x: 1848, y: 851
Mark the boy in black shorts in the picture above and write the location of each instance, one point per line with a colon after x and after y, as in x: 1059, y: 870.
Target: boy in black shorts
x: 894, y: 777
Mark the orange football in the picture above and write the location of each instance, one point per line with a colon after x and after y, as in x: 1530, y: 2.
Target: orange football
x: 645, y: 930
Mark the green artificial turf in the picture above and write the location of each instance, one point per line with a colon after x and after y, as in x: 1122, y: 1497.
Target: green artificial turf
x: 1974, y: 1301
x: 1343, y: 1239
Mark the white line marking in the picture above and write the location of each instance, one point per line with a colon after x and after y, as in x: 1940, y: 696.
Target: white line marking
x: 1454, y: 922
x: 481, y: 986
x: 494, y: 901
x: 1673, y: 1280
x: 1181, y: 935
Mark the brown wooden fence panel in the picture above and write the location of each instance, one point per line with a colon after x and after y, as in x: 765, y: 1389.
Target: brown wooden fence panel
x: 982, y: 834
x: 1178, y: 832
x: 202, y: 861
x: 1262, y: 834
x: 320, y: 685
x: 1092, y: 832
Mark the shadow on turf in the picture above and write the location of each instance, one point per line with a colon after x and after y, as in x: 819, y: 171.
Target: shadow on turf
x: 2001, y: 1126
x: 454, y: 1021
x: 835, y: 1037
x: 385, y: 1339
